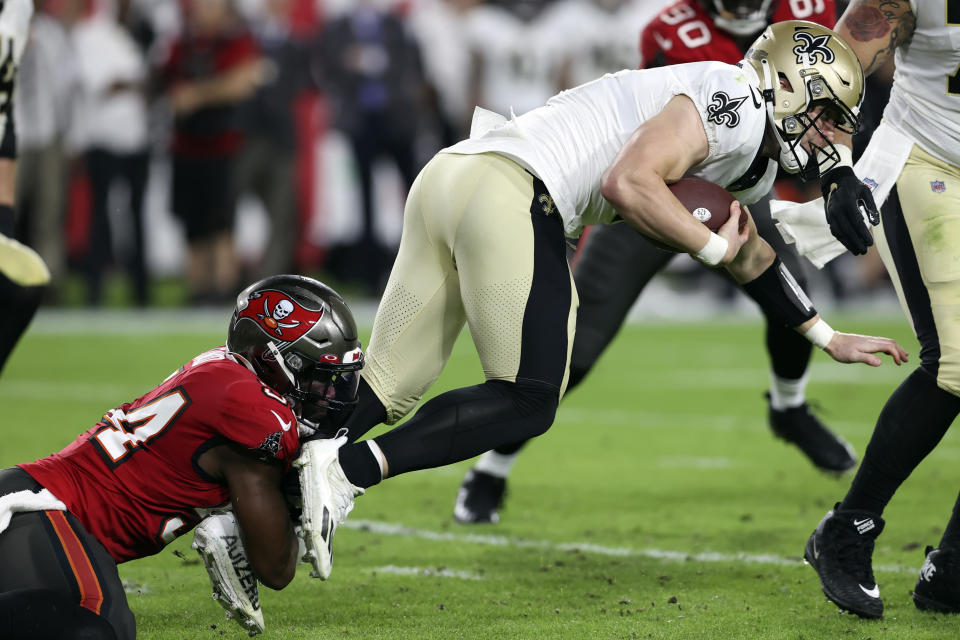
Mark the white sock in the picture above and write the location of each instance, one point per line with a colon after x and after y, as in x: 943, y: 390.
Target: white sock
x: 496, y: 464
x: 787, y: 393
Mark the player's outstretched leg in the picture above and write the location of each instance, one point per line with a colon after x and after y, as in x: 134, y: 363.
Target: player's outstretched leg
x: 841, y: 550
x: 612, y: 266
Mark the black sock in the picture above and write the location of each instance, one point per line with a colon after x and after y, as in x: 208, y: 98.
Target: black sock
x: 509, y: 449
x: 8, y: 223
x: 466, y: 422
x: 951, y: 537
x: 910, y: 425
x: 360, y: 465
x: 789, y: 351
x: 368, y: 413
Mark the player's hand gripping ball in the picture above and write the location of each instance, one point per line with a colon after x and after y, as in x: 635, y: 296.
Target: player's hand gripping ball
x: 707, y: 202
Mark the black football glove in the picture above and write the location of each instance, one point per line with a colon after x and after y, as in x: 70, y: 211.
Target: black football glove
x: 847, y: 201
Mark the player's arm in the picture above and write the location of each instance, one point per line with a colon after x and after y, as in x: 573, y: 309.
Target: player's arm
x: 261, y: 511
x: 659, y: 152
x: 873, y: 29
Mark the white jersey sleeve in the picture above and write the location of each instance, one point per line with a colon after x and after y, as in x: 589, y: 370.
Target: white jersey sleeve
x: 570, y: 142
x: 925, y: 98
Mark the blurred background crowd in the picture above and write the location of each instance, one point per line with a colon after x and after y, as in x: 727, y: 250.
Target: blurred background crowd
x: 171, y: 150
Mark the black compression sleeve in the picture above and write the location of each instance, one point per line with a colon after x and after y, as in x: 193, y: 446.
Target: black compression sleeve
x: 780, y: 297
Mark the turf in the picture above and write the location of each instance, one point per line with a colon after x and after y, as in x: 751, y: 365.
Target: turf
x: 658, y: 505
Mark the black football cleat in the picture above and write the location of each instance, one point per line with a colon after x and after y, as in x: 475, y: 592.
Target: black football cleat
x: 938, y: 587
x: 840, y: 550
x: 825, y: 449
x: 479, y: 498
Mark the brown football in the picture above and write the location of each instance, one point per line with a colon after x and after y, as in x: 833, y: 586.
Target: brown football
x: 707, y: 202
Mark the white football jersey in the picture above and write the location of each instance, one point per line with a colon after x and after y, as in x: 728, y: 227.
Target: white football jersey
x: 570, y: 142
x: 598, y: 40
x: 519, y: 70
x: 925, y: 99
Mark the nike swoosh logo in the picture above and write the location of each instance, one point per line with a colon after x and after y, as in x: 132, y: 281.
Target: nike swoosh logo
x: 756, y: 102
x: 873, y: 593
x: 283, y: 425
x: 857, y: 523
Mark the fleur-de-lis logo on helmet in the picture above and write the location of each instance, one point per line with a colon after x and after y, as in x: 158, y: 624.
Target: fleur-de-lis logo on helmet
x: 810, y: 47
x: 723, y: 109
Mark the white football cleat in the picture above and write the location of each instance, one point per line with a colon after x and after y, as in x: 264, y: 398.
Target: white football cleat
x: 327, y: 498
x: 217, y: 540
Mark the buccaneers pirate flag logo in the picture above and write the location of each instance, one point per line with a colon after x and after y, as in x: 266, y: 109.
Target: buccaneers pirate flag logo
x: 279, y: 315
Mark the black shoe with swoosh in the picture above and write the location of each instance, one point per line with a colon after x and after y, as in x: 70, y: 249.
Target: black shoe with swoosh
x: 840, y: 550
x: 938, y: 586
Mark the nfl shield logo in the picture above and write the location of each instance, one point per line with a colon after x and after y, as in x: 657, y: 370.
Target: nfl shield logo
x: 938, y: 186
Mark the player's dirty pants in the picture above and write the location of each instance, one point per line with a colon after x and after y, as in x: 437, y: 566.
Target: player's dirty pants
x: 483, y: 245
x: 51, y: 550
x: 919, y: 241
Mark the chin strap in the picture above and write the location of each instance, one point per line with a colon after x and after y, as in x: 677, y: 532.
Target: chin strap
x: 792, y: 158
x: 283, y: 365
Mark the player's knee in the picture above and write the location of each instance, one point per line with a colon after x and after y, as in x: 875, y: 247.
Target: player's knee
x: 90, y: 626
x: 946, y: 372
x: 535, y: 403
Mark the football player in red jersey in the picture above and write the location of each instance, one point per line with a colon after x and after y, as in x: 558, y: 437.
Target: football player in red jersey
x: 220, y: 432
x: 614, y: 262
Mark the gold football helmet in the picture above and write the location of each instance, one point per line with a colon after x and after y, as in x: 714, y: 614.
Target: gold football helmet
x: 802, y: 66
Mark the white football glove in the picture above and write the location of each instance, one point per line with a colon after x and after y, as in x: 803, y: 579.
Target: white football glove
x: 327, y: 497
x: 217, y: 540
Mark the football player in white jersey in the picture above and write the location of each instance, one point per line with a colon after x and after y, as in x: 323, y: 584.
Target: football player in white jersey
x: 23, y: 274
x: 597, y: 36
x: 512, y: 64
x: 913, y: 161
x: 484, y: 244
x: 614, y: 264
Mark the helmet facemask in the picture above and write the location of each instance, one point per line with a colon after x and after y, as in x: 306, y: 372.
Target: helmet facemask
x: 321, y: 392
x: 742, y: 17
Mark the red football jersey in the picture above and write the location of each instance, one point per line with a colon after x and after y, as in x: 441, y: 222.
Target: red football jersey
x: 133, y: 480
x: 685, y: 32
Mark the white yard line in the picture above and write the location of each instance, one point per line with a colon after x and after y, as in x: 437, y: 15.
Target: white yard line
x: 396, y: 529
x: 427, y: 573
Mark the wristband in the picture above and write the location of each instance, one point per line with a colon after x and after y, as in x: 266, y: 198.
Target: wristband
x: 820, y: 334
x: 845, y: 157
x: 713, y: 252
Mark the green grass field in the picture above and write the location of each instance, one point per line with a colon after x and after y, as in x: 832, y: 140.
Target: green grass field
x: 658, y: 505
